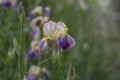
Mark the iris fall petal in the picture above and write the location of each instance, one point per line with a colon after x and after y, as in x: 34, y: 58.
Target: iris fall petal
x: 33, y: 54
x: 66, y: 42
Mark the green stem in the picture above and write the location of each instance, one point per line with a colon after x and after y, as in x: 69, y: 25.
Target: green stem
x: 62, y: 70
x: 59, y: 62
x: 44, y: 61
x: 25, y: 65
x: 19, y: 64
x: 20, y: 51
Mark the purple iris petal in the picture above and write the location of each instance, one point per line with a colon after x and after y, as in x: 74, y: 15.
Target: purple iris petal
x: 43, y: 46
x: 31, y: 16
x: 35, y: 32
x: 33, y: 54
x: 6, y: 3
x: 30, y: 77
x: 48, y: 13
x: 66, y: 42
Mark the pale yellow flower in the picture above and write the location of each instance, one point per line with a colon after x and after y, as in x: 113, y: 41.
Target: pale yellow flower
x: 53, y: 30
x: 1, y: 1
x: 35, y: 71
x: 37, y: 10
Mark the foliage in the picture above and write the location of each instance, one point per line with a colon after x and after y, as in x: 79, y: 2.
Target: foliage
x: 96, y: 31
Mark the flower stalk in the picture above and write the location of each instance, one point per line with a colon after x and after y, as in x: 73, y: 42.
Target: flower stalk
x: 59, y: 55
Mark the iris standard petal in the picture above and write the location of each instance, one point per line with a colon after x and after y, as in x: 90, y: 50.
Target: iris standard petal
x: 33, y: 54
x: 66, y: 42
x: 60, y: 29
x: 49, y: 29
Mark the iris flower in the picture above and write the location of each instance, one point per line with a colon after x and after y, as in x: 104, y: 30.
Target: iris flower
x: 39, y: 21
x: 37, y: 48
x: 58, y: 32
x: 9, y: 3
x: 35, y: 73
x: 40, y: 11
x: 34, y: 12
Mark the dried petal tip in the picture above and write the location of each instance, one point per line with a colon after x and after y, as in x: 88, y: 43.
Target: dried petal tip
x: 32, y: 54
x: 66, y: 42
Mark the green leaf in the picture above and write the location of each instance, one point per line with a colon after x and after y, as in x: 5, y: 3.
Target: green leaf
x: 16, y: 45
x: 21, y: 13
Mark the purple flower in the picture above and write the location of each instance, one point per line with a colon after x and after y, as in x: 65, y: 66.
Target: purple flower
x: 33, y: 54
x: 6, y: 3
x: 43, y: 46
x: 66, y: 42
x: 35, y: 32
x: 31, y: 77
x: 31, y: 16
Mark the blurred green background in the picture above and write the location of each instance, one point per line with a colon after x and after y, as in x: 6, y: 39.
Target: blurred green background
x: 93, y: 23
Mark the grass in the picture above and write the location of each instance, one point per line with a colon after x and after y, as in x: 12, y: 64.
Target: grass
x: 95, y: 55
